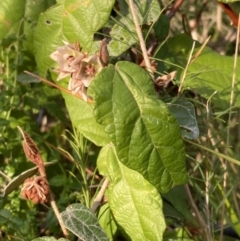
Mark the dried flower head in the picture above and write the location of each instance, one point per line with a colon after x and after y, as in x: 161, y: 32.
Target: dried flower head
x: 36, y: 189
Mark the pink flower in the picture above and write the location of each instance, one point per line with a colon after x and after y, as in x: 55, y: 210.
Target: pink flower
x: 80, y: 66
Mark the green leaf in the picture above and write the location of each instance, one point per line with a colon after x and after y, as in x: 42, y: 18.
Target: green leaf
x: 83, y: 223
x: 81, y: 114
x: 33, y: 10
x: 184, y: 112
x: 208, y: 73
x: 17, y: 181
x: 57, y: 180
x: 161, y: 27
x: 106, y: 221
x: 10, y: 16
x: 71, y: 21
x: 134, y: 202
x: 25, y: 14
x: 5, y: 216
x: 123, y: 32
x: 146, y: 136
x: 49, y: 239
x: 27, y: 79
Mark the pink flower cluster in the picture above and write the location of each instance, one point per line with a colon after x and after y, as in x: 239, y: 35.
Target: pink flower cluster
x: 81, y: 67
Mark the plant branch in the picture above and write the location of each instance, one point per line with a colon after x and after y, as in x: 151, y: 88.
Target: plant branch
x: 55, y: 86
x: 141, y: 39
x: 98, y: 200
x: 198, y: 215
x: 175, y: 8
x: 58, y: 215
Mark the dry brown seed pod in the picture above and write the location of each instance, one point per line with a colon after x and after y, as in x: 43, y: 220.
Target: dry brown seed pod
x: 103, y: 53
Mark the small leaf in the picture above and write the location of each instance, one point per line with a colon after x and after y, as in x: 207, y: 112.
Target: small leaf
x: 135, y: 203
x: 83, y: 223
x: 17, y: 181
x: 184, y: 112
x: 27, y: 79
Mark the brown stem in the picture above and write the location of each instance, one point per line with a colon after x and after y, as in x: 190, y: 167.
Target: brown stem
x: 175, y: 8
x: 198, y: 215
x: 141, y: 39
x: 56, y: 86
x: 99, y: 197
x: 58, y: 215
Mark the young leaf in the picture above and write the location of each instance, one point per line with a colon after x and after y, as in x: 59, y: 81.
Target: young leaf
x: 134, y: 202
x: 146, y: 136
x: 83, y: 223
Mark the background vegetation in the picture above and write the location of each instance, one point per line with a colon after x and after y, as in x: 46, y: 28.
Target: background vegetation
x: 195, y: 112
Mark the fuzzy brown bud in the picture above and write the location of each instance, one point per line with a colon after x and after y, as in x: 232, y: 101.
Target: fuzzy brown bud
x: 36, y: 189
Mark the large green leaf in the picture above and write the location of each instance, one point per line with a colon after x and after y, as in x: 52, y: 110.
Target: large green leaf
x: 33, y: 9
x: 22, y: 16
x: 123, y: 32
x: 10, y: 16
x: 208, y: 73
x: 69, y: 20
x: 134, y: 202
x: 146, y: 136
x: 83, y: 223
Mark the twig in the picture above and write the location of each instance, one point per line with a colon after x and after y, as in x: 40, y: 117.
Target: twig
x: 58, y: 216
x: 175, y: 8
x: 198, y: 215
x: 5, y: 176
x: 140, y: 37
x: 98, y: 200
x: 55, y: 86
